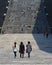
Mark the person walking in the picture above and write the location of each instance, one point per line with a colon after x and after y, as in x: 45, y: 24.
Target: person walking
x: 21, y: 50
x: 28, y: 49
x: 46, y: 34
x: 15, y: 49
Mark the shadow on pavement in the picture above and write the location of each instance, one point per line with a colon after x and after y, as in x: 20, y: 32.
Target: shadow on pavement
x: 44, y: 44
x: 40, y: 24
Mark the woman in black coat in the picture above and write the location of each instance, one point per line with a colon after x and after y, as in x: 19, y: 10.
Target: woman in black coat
x: 21, y: 50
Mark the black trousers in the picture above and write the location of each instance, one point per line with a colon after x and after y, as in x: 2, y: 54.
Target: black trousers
x: 15, y: 54
x: 21, y: 55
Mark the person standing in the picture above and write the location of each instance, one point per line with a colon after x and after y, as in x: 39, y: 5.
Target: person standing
x: 15, y: 49
x: 21, y: 50
x: 28, y: 49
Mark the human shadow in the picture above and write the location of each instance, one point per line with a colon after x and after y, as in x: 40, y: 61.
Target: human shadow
x: 41, y: 26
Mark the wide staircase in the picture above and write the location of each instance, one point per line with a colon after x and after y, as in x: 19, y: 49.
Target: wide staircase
x: 25, y: 16
x: 41, y: 49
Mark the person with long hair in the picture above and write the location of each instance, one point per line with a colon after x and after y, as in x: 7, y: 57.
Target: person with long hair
x: 15, y: 49
x: 21, y: 50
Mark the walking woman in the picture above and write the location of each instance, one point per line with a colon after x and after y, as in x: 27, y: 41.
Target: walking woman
x: 15, y: 49
x: 21, y: 50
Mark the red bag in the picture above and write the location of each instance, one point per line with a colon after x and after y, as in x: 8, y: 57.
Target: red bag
x: 24, y: 52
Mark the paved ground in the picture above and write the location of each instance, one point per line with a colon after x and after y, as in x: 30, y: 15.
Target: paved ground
x: 40, y: 55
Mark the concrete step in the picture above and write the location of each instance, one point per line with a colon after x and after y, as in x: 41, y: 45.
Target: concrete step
x: 22, y: 17
x: 38, y: 57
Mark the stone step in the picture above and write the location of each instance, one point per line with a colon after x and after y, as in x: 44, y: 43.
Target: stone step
x: 22, y: 13
x: 26, y: 64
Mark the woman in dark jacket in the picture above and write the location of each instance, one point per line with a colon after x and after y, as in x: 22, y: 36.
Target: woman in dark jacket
x: 21, y: 50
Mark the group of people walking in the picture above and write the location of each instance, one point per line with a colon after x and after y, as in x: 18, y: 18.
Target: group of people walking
x: 22, y: 49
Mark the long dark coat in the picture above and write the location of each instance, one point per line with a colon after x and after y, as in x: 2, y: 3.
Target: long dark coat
x: 21, y: 48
